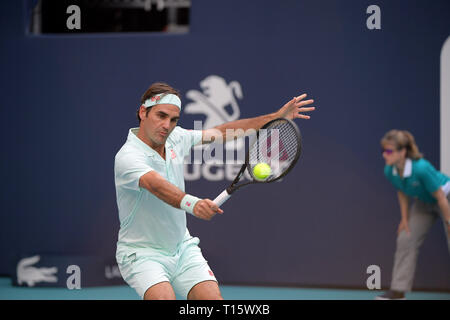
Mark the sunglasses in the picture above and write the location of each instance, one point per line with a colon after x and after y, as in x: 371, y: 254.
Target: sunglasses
x: 387, y: 151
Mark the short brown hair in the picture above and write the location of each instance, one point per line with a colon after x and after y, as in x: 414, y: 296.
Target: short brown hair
x: 154, y: 89
x: 403, y: 139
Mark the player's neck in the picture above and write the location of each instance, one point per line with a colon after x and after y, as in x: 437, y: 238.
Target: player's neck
x: 159, y: 148
x: 400, y: 166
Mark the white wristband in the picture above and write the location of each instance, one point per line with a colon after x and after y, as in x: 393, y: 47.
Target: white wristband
x: 188, y: 203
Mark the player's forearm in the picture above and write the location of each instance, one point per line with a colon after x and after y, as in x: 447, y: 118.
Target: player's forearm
x: 251, y: 123
x: 403, y: 202
x: 445, y: 207
x: 162, y: 188
x: 442, y: 201
x: 237, y: 129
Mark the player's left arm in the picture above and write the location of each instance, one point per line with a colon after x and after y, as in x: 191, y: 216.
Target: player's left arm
x: 439, y: 195
x: 293, y: 109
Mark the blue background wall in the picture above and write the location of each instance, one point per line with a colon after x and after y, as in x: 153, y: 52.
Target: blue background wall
x: 68, y: 101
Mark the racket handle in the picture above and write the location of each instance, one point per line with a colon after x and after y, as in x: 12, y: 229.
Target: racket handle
x: 221, y: 198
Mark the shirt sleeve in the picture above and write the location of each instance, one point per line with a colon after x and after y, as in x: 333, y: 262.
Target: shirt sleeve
x: 429, y: 177
x: 129, y: 168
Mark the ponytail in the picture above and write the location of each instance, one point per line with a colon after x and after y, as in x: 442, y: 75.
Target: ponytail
x: 412, y: 150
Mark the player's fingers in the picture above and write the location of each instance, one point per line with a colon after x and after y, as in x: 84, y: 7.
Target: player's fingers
x: 215, y: 209
x: 205, y: 215
x: 302, y: 109
x: 300, y: 97
x: 305, y: 102
x: 212, y: 204
x: 302, y: 116
x: 211, y: 208
x: 290, y: 103
x: 201, y: 210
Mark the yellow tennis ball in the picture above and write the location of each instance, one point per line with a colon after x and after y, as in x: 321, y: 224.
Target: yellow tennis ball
x: 261, y: 171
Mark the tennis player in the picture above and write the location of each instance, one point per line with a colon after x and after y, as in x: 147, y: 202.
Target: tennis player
x: 417, y: 180
x: 156, y: 254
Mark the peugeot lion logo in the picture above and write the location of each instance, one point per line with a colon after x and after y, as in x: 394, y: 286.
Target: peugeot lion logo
x: 216, y: 96
x: 218, y: 101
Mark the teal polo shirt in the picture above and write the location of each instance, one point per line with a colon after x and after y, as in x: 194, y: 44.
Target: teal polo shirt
x: 145, y: 220
x: 420, y: 179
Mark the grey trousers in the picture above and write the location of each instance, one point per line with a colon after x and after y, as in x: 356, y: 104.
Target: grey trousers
x: 421, y: 217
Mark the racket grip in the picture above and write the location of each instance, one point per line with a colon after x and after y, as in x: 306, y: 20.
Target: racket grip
x: 221, y: 198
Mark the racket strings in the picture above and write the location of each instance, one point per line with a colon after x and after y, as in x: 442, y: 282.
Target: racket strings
x: 284, y: 151
x: 277, y: 146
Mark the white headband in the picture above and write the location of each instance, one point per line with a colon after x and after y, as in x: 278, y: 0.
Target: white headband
x: 163, y: 99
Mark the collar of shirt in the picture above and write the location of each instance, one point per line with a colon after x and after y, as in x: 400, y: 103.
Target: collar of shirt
x: 407, y: 170
x: 132, y: 136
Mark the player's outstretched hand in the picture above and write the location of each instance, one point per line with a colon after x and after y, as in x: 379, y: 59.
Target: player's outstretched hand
x: 295, y: 108
x: 206, y: 209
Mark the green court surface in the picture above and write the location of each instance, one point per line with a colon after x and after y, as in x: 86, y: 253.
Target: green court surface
x: 9, y: 292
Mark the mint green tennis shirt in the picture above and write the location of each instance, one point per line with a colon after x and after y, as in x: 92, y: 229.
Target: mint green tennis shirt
x: 420, y: 179
x: 145, y: 220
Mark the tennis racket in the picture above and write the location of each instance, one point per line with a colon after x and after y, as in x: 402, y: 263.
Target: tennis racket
x: 279, y: 144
